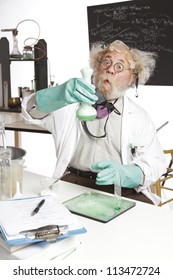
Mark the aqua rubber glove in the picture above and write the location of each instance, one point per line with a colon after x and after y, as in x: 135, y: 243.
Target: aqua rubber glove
x: 72, y: 91
x: 130, y: 175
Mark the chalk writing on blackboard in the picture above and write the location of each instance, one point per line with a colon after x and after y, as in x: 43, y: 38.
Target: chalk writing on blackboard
x: 142, y: 24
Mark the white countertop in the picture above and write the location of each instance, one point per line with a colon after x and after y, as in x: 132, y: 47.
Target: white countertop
x: 142, y: 233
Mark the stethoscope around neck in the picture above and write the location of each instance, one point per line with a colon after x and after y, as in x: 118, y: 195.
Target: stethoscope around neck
x: 104, y: 109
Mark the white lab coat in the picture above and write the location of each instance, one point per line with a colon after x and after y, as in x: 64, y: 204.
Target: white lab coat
x: 137, y: 130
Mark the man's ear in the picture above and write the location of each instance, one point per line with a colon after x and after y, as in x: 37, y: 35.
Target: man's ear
x: 132, y: 81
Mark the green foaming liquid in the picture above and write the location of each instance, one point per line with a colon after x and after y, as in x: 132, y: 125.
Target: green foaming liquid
x: 86, y: 118
x: 86, y: 112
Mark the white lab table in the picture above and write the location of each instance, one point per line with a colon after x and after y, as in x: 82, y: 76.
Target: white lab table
x: 144, y: 232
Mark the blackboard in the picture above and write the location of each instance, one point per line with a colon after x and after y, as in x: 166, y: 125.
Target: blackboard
x: 143, y: 24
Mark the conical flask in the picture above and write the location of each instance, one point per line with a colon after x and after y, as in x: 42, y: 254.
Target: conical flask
x: 15, y: 51
x: 86, y: 112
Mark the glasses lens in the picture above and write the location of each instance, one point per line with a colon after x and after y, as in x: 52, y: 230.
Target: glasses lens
x: 106, y: 63
x: 119, y: 67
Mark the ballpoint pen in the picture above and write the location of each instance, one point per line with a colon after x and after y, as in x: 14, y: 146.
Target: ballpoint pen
x: 35, y: 211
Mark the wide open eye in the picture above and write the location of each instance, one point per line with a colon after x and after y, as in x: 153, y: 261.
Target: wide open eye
x: 119, y: 67
x: 106, y: 63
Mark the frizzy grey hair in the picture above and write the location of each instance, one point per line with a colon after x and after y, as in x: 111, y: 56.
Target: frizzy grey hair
x: 142, y: 63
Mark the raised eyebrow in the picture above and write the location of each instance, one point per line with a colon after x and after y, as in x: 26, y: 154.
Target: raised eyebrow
x: 108, y: 56
x: 119, y: 60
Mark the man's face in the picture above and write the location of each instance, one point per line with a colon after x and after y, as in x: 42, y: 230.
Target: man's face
x: 114, y: 76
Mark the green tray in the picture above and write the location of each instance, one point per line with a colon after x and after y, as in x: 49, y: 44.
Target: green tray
x: 97, y: 206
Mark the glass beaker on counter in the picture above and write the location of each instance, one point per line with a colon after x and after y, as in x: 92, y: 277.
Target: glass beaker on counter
x: 5, y: 174
x: 11, y: 174
x: 11, y: 168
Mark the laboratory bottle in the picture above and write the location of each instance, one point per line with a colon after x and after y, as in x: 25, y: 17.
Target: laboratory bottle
x: 28, y: 52
x: 86, y: 112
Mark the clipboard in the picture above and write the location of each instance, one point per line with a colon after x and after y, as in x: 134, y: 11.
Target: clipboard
x: 48, y: 233
x: 97, y: 206
x: 53, y: 221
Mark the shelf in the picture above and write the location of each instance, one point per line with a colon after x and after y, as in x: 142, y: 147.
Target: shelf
x: 22, y: 126
x: 40, y: 69
x: 11, y: 110
x: 21, y: 59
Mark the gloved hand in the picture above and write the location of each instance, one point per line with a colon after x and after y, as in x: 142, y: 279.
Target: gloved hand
x: 130, y: 175
x: 74, y: 90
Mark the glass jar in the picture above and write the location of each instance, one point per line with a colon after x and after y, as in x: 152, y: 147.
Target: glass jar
x: 28, y: 52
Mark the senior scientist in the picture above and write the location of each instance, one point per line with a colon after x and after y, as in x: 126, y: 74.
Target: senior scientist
x: 121, y: 139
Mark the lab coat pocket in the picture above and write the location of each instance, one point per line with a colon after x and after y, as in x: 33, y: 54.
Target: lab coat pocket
x: 137, y: 146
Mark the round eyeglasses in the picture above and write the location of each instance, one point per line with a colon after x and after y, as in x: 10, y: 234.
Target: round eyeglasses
x: 118, y: 67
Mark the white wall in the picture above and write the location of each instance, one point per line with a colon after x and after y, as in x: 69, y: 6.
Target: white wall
x: 64, y: 26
